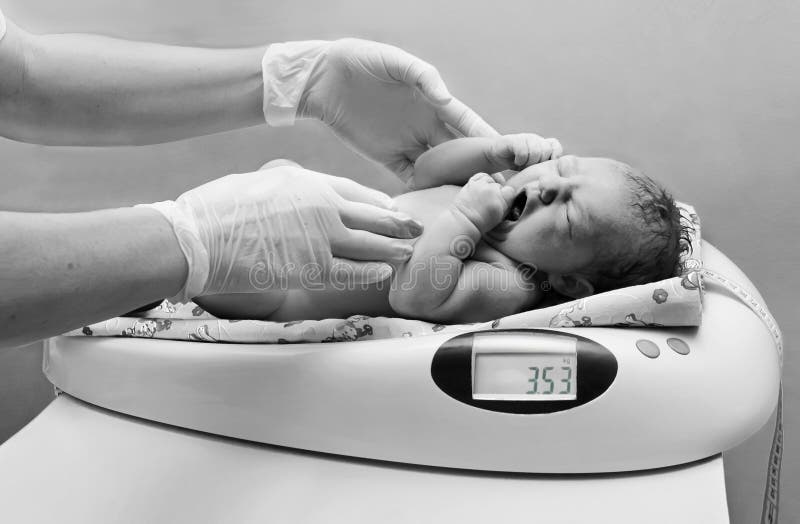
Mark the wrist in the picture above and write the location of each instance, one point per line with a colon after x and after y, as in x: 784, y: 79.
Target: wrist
x: 495, y: 161
x: 182, y: 244
x: 309, y: 106
x: 466, y: 231
x: 288, y: 70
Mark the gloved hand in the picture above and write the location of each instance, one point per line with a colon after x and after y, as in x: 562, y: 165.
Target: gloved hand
x: 285, y: 227
x: 522, y: 150
x: 383, y: 102
x: 2, y: 25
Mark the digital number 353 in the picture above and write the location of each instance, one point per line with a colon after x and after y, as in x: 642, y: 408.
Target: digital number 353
x: 548, y: 383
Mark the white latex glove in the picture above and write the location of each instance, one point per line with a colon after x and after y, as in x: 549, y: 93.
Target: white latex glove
x: 2, y: 25
x: 285, y: 227
x: 383, y: 102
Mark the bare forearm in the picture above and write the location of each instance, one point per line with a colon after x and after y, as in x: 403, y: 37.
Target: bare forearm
x: 75, y: 89
x: 454, y: 162
x: 62, y: 271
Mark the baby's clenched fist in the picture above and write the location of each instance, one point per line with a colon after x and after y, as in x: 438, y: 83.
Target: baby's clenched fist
x: 522, y: 150
x: 484, y: 202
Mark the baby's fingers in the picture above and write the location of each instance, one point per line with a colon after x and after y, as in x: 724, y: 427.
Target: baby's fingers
x: 480, y: 178
x: 508, y: 193
x: 499, y: 178
x: 548, y: 149
x: 555, y: 147
x: 501, y: 203
x: 524, y: 148
x: 529, y: 149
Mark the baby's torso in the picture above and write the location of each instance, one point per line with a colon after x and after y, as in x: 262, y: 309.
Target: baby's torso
x: 425, y: 206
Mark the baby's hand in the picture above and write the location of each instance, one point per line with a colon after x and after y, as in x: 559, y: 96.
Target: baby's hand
x: 484, y: 202
x: 523, y: 150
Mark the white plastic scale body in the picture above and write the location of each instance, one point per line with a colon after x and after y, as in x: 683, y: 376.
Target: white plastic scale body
x: 483, y: 416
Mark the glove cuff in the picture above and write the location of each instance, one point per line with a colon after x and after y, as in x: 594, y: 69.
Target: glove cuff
x: 197, y: 258
x: 2, y: 25
x: 286, y: 69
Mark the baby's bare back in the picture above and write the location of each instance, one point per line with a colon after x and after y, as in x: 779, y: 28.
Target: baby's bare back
x: 326, y: 301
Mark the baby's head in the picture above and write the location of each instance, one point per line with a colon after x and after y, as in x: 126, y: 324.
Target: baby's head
x: 590, y: 224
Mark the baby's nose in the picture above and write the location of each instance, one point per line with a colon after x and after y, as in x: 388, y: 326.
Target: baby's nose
x: 552, y: 187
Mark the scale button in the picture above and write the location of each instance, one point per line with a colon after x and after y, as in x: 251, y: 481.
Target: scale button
x: 648, y: 348
x: 678, y: 345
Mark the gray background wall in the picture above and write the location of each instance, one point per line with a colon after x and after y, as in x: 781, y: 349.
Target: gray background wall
x: 702, y: 95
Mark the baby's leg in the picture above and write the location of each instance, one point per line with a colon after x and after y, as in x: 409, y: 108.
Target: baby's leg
x: 241, y: 306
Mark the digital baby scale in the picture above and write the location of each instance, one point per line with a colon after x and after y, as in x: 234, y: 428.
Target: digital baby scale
x: 540, y: 425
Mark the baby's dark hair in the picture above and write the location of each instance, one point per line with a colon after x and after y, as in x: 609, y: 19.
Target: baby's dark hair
x: 657, y: 239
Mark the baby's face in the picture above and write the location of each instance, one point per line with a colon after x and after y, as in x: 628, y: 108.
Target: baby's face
x: 563, y: 212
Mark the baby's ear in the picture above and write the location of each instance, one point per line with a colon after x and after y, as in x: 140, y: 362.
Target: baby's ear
x: 573, y: 286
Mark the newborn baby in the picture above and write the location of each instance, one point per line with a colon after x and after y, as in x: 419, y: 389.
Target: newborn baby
x: 572, y: 226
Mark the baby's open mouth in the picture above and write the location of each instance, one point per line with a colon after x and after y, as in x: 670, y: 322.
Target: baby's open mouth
x: 517, y: 207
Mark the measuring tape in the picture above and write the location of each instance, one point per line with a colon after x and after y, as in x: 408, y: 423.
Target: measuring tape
x: 769, y: 511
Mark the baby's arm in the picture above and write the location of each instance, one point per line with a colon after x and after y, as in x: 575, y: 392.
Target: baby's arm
x: 439, y: 283
x: 455, y: 161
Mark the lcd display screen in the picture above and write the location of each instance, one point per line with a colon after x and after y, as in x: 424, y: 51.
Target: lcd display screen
x: 529, y: 367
